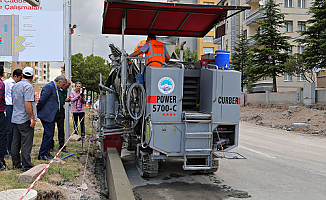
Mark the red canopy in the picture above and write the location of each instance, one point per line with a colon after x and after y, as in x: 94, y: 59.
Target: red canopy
x: 163, y: 19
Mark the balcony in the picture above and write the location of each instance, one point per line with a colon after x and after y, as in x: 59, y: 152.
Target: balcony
x: 247, y: 1
x: 217, y: 40
x: 251, y: 42
x: 254, y: 15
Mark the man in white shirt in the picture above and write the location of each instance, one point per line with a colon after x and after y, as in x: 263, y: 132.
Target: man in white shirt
x: 9, y: 83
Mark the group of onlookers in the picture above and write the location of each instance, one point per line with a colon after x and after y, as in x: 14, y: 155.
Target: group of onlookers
x: 19, y: 112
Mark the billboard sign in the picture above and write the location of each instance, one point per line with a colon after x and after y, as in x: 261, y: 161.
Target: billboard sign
x: 31, y: 33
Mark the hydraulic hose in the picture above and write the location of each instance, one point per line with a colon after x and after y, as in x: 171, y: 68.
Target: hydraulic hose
x: 73, y: 154
x: 141, y: 94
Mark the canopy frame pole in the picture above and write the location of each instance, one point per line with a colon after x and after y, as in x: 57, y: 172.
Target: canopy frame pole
x: 123, y: 74
x: 226, y: 17
x: 150, y: 28
x: 215, y: 22
x: 182, y: 23
x: 124, y: 64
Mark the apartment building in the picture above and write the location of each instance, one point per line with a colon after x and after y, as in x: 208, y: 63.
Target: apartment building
x: 7, y: 70
x: 41, y: 72
x: 202, y: 45
x: 295, y: 14
x: 205, y: 45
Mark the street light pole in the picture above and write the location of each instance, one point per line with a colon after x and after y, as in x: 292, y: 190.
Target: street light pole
x: 67, y: 61
x: 80, y: 35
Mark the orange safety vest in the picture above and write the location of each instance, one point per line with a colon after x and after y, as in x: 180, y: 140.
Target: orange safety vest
x: 156, y: 52
x: 140, y: 45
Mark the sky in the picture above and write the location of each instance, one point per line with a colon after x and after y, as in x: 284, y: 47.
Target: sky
x: 87, y: 15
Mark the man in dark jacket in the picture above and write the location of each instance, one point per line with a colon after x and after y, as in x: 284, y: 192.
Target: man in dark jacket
x: 61, y: 116
x: 47, y: 109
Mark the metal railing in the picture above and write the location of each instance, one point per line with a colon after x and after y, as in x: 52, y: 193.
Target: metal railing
x: 255, y: 14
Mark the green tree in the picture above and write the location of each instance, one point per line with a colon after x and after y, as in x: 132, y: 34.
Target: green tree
x: 272, y: 46
x: 295, y: 65
x: 187, y: 54
x: 314, y: 37
x: 87, y: 70
x: 242, y: 60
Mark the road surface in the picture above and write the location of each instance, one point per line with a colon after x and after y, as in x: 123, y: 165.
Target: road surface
x: 279, y: 164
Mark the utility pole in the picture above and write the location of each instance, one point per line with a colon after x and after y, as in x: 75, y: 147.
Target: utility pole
x: 67, y: 19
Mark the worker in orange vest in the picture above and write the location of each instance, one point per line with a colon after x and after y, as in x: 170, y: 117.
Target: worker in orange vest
x: 139, y: 45
x: 154, y: 50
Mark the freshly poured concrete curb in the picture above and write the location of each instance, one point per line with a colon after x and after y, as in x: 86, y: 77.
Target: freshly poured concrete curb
x: 17, y: 193
x: 118, y: 182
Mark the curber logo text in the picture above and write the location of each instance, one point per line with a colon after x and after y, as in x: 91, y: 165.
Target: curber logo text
x: 229, y: 100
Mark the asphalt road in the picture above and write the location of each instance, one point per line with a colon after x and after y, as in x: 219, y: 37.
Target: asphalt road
x: 279, y: 165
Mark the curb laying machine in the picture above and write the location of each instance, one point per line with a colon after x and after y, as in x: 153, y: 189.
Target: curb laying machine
x: 186, y: 111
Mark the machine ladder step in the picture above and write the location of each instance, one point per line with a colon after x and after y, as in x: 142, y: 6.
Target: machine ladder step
x: 197, y: 116
x: 199, y: 135
x: 198, y: 121
x: 190, y: 167
x: 198, y: 150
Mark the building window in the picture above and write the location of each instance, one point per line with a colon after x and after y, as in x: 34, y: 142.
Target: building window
x: 301, y: 26
x: 44, y: 78
x: 36, y: 72
x: 289, y: 26
x: 245, y: 33
x: 301, y: 3
x: 301, y: 78
x: 288, y: 3
x: 208, y: 50
x: 208, y: 39
x: 287, y: 77
x: 300, y: 49
x: 245, y: 14
x: 44, y: 66
x: 44, y: 72
x: 226, y: 45
x: 18, y: 63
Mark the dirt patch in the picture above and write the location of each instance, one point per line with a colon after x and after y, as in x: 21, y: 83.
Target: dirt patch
x: 46, y: 191
x: 56, y: 179
x: 189, y: 191
x: 283, y: 116
x: 89, y: 185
